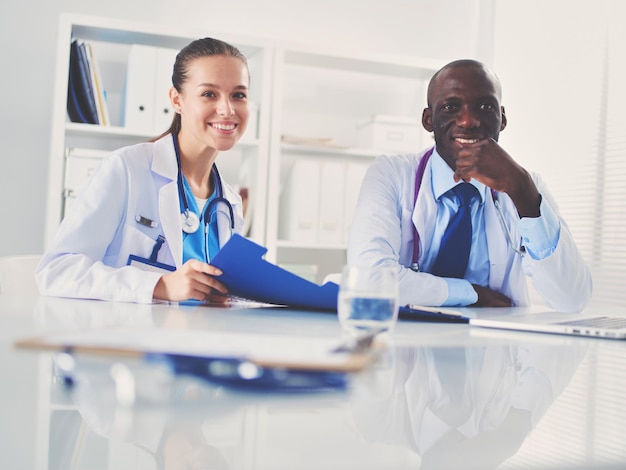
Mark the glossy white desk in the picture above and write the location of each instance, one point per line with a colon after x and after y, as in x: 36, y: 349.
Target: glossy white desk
x: 528, y: 400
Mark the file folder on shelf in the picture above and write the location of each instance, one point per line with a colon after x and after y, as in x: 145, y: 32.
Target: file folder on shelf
x: 81, y: 104
x: 140, y: 83
x: 331, y: 196
x: 148, y: 80
x: 355, y: 172
x: 299, y: 215
x: 97, y: 87
x: 163, y: 111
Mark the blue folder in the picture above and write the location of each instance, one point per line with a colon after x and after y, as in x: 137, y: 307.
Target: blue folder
x: 246, y: 274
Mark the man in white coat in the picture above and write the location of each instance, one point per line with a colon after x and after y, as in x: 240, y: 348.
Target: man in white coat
x: 406, y: 202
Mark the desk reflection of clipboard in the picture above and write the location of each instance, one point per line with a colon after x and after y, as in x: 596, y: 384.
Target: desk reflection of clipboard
x: 239, y: 360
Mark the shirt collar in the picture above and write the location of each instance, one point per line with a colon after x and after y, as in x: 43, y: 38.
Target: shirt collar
x: 442, y: 178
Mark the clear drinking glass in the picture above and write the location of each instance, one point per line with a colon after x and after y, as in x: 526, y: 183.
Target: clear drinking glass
x: 368, y: 299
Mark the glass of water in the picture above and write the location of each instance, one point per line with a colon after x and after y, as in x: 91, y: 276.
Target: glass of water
x: 368, y: 299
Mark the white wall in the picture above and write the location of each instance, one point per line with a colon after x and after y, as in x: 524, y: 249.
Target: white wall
x: 443, y: 29
x: 549, y: 56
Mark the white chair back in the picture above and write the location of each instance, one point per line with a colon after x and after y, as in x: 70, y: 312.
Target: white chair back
x: 17, y: 276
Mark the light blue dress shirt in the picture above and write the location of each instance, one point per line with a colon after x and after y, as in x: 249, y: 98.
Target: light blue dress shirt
x: 540, y: 235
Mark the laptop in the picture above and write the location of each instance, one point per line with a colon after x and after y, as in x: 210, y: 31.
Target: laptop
x: 590, y: 325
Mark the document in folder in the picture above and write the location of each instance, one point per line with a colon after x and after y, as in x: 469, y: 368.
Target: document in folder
x: 248, y: 275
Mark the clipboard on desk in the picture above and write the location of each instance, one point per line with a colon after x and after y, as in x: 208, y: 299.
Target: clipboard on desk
x: 240, y: 360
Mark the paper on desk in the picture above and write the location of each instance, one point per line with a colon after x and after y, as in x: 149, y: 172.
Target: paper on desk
x: 261, y: 349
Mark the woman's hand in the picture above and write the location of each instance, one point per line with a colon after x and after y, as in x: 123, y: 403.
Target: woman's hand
x: 193, y: 280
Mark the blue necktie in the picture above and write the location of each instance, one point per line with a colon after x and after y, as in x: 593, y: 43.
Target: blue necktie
x: 457, y: 239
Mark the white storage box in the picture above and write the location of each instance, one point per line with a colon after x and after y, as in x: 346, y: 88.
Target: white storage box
x: 390, y: 134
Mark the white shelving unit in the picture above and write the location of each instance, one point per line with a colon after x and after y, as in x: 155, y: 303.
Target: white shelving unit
x: 244, y: 166
x: 323, y: 96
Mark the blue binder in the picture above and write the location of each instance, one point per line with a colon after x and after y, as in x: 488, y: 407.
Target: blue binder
x: 81, y: 105
x: 246, y: 274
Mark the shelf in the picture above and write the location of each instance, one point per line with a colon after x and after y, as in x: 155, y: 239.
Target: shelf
x: 397, y: 66
x: 125, y: 32
x: 329, y: 151
x: 308, y: 246
x: 94, y: 130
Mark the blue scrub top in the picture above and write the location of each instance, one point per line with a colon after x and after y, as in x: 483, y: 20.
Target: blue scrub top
x: 194, y: 244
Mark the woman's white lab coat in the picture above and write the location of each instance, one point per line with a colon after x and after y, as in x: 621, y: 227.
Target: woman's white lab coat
x: 382, y: 233
x: 88, y: 257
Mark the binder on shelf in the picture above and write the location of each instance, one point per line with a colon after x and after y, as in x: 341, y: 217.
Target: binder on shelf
x: 331, y: 207
x: 148, y: 80
x: 163, y: 111
x: 97, y: 87
x: 300, y: 202
x: 89, y: 93
x: 140, y: 84
x: 355, y: 172
x: 86, y: 101
x: 81, y: 105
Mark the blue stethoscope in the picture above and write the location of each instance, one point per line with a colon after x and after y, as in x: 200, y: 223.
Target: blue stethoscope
x: 190, y: 220
x: 419, y: 174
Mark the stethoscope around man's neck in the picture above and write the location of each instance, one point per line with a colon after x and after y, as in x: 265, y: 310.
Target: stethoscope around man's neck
x: 419, y: 175
x: 190, y: 220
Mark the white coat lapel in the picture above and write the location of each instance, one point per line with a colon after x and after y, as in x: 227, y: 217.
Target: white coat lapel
x: 425, y: 212
x: 496, y: 244
x: 506, y: 274
x: 169, y: 211
x: 164, y: 164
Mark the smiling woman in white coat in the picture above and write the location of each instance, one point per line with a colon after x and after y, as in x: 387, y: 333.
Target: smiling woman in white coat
x: 154, y: 214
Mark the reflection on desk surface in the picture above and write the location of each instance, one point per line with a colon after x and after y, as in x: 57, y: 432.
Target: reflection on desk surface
x: 154, y: 420
x: 443, y: 394
x: 134, y: 415
x: 464, y: 407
